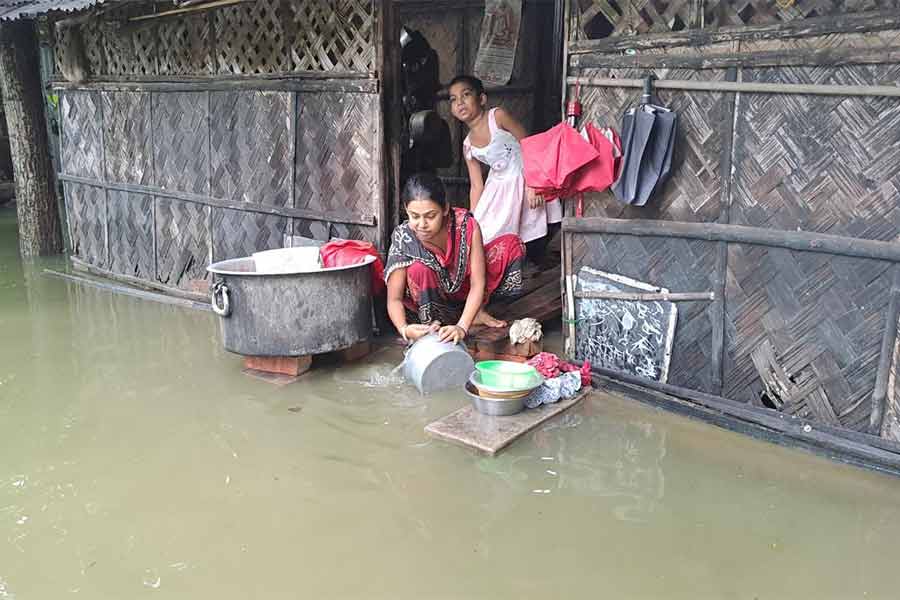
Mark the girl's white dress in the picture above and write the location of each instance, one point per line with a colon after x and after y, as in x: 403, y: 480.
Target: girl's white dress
x: 503, y: 207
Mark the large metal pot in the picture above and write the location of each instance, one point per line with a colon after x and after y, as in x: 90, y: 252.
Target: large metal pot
x: 294, y: 313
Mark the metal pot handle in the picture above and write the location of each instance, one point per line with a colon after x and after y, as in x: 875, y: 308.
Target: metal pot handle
x: 219, y: 288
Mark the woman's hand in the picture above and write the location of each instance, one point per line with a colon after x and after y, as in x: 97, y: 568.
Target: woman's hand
x: 535, y: 200
x: 452, y: 333
x: 415, y: 331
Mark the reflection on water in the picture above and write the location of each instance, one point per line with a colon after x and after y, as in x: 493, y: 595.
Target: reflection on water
x: 138, y: 460
x: 619, y: 461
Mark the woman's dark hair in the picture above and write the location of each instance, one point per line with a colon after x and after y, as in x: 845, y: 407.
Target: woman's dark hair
x: 473, y: 82
x: 424, y: 186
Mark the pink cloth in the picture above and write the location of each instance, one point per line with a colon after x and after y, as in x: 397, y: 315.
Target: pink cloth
x: 503, y: 207
x: 550, y: 365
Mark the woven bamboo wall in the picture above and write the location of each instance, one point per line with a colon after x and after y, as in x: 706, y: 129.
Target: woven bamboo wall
x: 164, y: 174
x: 217, y: 175
x: 600, y: 18
x: 802, y: 330
x: 261, y: 37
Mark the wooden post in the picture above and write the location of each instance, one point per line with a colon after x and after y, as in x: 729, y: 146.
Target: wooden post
x: 888, y: 340
x: 720, y: 276
x: 20, y: 84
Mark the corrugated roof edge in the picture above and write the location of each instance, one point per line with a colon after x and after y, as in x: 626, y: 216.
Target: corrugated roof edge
x: 11, y: 10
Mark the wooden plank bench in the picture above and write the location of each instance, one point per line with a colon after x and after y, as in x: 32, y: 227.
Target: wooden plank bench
x: 489, y: 435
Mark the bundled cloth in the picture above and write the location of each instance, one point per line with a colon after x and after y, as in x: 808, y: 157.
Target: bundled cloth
x: 552, y: 390
x: 525, y: 330
x: 341, y: 253
x: 550, y: 365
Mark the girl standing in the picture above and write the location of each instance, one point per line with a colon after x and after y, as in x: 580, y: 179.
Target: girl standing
x: 502, y: 204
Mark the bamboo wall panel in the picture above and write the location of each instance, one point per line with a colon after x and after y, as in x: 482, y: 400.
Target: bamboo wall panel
x: 82, y: 138
x: 183, y: 245
x: 128, y: 51
x: 354, y: 232
x: 442, y: 30
x: 804, y: 329
x: 86, y: 207
x: 261, y: 37
x: 166, y: 156
x: 251, y: 146
x: 181, y: 141
x: 236, y: 233
x: 250, y: 39
x: 126, y: 137
x: 324, y: 231
x: 600, y: 18
x: 94, y: 47
x: 819, y: 163
x: 130, y: 218
x: 520, y: 106
x: 62, y: 42
x: 337, y: 134
x: 316, y: 230
x: 694, y: 187
x: 331, y: 36
x: 184, y: 46
x: 474, y: 17
x: 678, y: 265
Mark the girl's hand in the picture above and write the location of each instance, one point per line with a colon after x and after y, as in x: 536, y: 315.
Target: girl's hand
x: 415, y: 331
x: 452, y: 333
x: 535, y: 200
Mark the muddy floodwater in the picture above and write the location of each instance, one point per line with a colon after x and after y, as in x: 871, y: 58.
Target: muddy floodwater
x: 138, y: 461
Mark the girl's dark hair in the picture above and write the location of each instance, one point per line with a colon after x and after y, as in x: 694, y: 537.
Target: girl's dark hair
x: 424, y: 186
x: 473, y: 82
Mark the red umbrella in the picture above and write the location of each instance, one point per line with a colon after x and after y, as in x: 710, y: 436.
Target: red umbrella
x: 552, y: 157
x: 600, y: 173
x: 561, y: 163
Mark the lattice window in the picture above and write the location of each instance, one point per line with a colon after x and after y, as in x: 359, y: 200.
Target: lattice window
x: 130, y: 51
x: 184, y: 46
x: 333, y: 36
x: 62, y: 45
x: 604, y: 18
x: 266, y: 36
x: 250, y: 39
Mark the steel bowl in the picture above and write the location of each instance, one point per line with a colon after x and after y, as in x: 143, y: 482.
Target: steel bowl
x: 494, y: 406
x: 500, y: 392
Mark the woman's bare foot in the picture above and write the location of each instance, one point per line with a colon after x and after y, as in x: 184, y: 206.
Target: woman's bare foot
x: 483, y: 318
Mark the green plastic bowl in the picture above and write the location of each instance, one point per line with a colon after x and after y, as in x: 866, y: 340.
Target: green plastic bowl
x: 505, y: 374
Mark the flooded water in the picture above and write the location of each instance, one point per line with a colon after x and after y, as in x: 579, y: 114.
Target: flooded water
x: 138, y: 462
